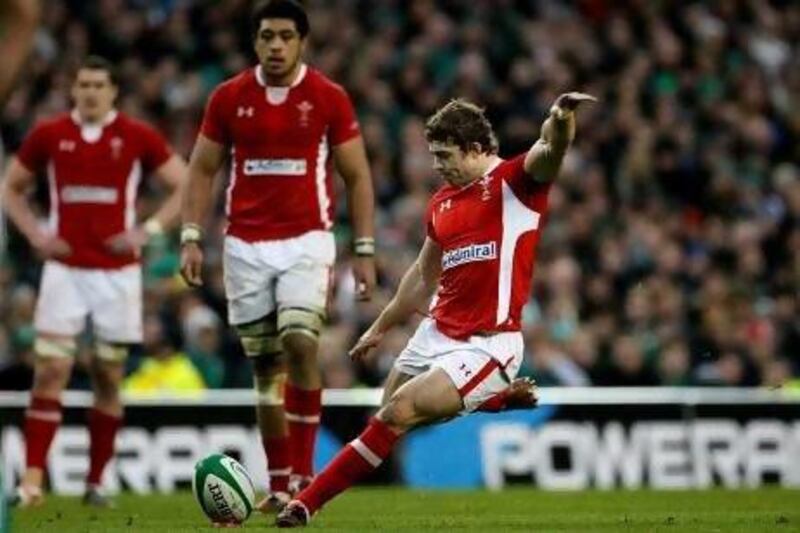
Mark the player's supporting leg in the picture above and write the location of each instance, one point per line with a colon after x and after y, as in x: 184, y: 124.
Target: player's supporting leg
x: 299, y: 329
x: 105, y: 416
x: 260, y: 343
x: 54, y: 360
x: 424, y: 399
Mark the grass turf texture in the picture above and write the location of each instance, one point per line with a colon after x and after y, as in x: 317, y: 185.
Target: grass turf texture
x: 409, y: 510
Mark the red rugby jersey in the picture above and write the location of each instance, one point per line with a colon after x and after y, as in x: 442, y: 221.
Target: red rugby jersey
x: 280, y: 138
x: 488, y: 232
x: 93, y: 172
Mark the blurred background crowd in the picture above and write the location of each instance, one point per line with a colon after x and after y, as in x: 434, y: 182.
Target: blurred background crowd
x: 671, y: 253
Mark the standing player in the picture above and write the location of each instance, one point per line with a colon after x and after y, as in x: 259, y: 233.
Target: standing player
x: 94, y: 158
x: 284, y: 125
x: 482, y: 227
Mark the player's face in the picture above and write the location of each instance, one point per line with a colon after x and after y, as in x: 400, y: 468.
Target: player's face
x: 94, y: 94
x: 453, y: 164
x: 279, y: 47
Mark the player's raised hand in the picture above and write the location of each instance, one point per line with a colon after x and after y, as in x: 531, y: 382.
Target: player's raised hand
x: 368, y: 341
x: 128, y: 242
x: 364, y: 274
x: 570, y: 101
x: 192, y: 263
x: 51, y: 247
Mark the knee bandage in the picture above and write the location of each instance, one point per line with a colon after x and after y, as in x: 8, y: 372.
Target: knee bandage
x: 270, y: 389
x: 300, y: 320
x: 259, y: 338
x: 57, y: 348
x: 111, y: 351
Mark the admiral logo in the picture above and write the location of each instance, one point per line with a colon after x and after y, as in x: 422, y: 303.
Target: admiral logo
x: 275, y: 167
x: 469, y: 254
x: 84, y: 194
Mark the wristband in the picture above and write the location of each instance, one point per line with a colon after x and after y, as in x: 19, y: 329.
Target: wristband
x: 153, y: 227
x: 364, y: 246
x: 191, y: 233
x: 559, y: 113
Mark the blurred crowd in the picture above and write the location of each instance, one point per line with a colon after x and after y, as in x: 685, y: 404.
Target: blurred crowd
x: 671, y: 252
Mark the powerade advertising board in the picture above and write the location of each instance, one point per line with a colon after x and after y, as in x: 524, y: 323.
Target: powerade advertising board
x: 664, y: 438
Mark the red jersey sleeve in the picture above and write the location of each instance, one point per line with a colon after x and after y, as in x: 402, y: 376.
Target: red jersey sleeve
x: 34, y: 153
x: 155, y: 150
x: 524, y: 186
x: 430, y: 231
x: 343, y: 124
x: 214, y: 126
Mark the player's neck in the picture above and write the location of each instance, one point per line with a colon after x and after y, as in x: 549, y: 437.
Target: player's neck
x: 286, y: 80
x: 101, y: 119
x: 485, y: 165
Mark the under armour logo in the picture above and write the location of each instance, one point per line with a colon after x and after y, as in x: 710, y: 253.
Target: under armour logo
x: 66, y: 146
x: 305, y: 108
x: 445, y: 205
x: 242, y: 111
x: 463, y: 368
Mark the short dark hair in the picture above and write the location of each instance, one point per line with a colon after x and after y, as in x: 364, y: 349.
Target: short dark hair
x: 280, y: 9
x: 94, y: 62
x: 462, y: 123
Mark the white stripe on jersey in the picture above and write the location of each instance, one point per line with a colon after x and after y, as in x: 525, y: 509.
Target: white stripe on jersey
x: 322, y: 191
x: 52, y: 220
x: 231, y: 183
x: 517, y: 219
x: 132, y: 186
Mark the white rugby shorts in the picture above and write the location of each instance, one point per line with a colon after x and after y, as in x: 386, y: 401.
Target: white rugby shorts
x: 262, y: 277
x: 479, y: 367
x: 111, y: 297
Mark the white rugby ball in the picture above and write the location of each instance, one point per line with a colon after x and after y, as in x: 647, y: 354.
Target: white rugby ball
x: 224, y: 489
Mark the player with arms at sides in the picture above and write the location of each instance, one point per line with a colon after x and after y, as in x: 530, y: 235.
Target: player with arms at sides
x: 94, y: 158
x: 284, y: 126
x: 477, y: 259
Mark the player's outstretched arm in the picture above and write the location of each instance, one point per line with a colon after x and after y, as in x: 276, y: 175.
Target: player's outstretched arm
x: 14, y: 194
x: 545, y: 156
x: 350, y: 159
x: 206, y: 160
x: 413, y: 295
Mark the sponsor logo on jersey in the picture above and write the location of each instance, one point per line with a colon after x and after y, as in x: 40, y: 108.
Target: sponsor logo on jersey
x: 469, y: 254
x: 245, y: 111
x: 275, y: 167
x: 66, y: 145
x: 86, y: 194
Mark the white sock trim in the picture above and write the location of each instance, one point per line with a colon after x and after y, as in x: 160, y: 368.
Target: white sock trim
x: 305, y: 419
x: 368, y: 455
x: 47, y: 416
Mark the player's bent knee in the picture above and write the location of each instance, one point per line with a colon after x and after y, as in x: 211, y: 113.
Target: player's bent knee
x: 112, y: 352
x: 299, y: 328
x: 399, y: 412
x: 55, y: 347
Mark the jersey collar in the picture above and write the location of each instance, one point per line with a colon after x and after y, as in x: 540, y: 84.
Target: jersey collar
x: 263, y: 81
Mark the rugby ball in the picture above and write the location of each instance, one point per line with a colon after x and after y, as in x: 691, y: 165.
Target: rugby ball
x: 223, y: 489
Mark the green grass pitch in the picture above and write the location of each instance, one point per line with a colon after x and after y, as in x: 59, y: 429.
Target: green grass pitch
x: 393, y: 509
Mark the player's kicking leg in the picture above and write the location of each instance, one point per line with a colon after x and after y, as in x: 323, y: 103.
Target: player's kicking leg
x: 522, y: 393
x: 427, y: 398
x: 54, y: 360
x: 105, y: 417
